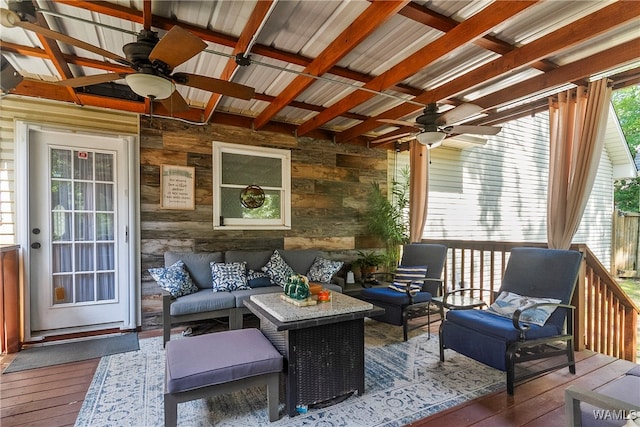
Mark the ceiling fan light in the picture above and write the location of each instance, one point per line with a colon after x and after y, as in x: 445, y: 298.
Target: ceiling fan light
x: 430, y: 138
x: 150, y: 85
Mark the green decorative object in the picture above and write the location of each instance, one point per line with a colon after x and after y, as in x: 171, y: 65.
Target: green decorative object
x: 297, y: 287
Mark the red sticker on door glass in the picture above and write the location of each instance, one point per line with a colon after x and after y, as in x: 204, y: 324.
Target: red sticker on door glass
x: 83, y: 155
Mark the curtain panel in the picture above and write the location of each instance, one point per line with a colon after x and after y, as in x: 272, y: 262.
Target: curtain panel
x: 577, y: 120
x: 418, y: 189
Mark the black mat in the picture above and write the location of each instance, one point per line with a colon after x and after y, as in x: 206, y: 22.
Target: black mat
x: 57, y: 354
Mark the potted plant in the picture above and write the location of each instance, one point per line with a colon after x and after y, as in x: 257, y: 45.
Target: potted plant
x: 368, y: 263
x: 386, y: 217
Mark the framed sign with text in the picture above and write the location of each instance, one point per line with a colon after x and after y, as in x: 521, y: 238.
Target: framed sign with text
x: 177, y: 185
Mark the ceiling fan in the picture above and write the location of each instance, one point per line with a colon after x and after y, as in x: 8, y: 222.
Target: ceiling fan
x: 150, y: 58
x: 435, y: 126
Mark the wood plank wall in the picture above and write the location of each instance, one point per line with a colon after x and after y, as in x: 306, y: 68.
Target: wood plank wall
x: 330, y: 184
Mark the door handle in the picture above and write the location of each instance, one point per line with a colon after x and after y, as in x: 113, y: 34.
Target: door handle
x: 35, y: 245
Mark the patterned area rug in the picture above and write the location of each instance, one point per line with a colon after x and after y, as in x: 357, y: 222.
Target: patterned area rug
x: 405, y: 381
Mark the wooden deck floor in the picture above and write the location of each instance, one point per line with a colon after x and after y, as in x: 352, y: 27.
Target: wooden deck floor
x: 53, y: 396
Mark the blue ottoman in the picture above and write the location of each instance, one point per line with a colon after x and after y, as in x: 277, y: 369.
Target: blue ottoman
x: 221, y: 362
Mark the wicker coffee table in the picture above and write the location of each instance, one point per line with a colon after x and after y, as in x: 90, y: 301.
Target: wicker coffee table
x: 323, y: 346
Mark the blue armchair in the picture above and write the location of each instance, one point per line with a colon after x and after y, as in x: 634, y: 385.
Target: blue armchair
x: 406, y: 304
x: 530, y: 319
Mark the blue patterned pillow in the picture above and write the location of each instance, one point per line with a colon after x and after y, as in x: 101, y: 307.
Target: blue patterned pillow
x: 508, y: 302
x: 411, y: 276
x: 257, y: 279
x: 229, y: 276
x: 322, y: 270
x: 277, y: 269
x: 175, y: 279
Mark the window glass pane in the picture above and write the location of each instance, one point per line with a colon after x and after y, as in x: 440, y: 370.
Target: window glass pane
x: 104, y: 167
x: 62, y: 257
x: 104, y: 226
x: 241, y: 169
x: 84, y: 288
x: 84, y: 226
x: 62, y: 289
x: 61, y: 226
x: 106, y: 286
x: 104, y: 197
x: 61, y: 195
x: 60, y: 163
x: 104, y: 256
x: 83, y: 196
x: 232, y: 208
x: 84, y: 257
x: 83, y: 165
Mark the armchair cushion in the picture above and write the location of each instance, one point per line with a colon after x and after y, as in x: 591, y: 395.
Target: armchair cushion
x: 498, y: 326
x: 392, y: 296
x: 508, y: 302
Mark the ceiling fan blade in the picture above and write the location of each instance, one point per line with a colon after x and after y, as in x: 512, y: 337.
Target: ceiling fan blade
x: 210, y: 84
x: 175, y: 103
x: 462, y: 111
x: 176, y: 47
x: 91, y: 80
x: 69, y: 40
x: 398, y: 122
x: 474, y: 130
x: 398, y: 137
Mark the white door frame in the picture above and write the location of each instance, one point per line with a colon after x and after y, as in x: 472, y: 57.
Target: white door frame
x: 22, y: 214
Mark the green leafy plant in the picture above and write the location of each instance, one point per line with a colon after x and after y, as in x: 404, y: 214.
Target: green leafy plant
x: 387, y: 218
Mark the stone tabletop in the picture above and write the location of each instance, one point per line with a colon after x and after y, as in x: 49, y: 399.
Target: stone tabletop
x: 287, y: 312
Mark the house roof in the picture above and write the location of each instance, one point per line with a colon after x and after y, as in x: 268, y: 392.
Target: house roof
x: 334, y: 68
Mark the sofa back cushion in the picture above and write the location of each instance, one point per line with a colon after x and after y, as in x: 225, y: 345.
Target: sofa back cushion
x: 299, y: 259
x: 197, y: 264
x: 255, y: 259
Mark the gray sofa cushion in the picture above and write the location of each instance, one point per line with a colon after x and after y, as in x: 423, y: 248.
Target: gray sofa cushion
x: 243, y: 295
x: 255, y: 259
x: 230, y: 355
x: 299, y: 259
x: 202, y: 301
x: 197, y: 263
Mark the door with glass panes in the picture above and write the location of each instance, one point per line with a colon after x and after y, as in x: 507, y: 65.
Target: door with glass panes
x: 77, y: 224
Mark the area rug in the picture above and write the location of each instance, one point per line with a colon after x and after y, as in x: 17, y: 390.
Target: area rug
x: 57, y: 354
x: 405, y: 381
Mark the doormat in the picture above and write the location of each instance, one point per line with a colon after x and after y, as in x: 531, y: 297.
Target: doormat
x: 57, y: 354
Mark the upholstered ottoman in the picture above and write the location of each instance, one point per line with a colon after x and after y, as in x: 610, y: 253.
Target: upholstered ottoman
x: 221, y: 362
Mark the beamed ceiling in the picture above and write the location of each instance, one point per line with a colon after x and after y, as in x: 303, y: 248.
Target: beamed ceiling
x: 333, y: 69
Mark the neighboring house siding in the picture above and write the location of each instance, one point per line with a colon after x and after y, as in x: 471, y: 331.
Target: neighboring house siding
x: 52, y: 113
x: 498, y: 191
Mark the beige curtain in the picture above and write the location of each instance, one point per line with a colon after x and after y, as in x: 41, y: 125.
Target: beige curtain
x: 418, y: 189
x: 577, y: 120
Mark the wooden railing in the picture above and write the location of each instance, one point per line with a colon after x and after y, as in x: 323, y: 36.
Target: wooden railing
x: 605, y: 317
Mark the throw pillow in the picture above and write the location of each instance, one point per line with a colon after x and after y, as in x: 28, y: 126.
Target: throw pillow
x: 229, y: 276
x: 508, y: 302
x: 175, y: 279
x: 277, y: 269
x: 257, y: 279
x: 411, y: 276
x: 322, y: 270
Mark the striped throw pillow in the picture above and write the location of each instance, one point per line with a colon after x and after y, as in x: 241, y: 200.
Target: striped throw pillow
x: 411, y: 276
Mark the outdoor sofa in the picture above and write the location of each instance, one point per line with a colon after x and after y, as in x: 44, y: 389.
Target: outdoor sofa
x: 205, y: 304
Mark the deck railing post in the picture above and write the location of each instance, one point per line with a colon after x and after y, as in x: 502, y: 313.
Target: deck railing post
x: 579, y: 302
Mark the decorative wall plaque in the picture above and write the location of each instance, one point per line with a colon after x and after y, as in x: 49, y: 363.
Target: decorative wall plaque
x: 177, y: 184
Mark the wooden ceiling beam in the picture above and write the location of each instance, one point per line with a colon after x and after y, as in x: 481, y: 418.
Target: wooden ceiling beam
x: 465, y: 32
x: 578, y: 32
x: 443, y: 23
x: 367, y: 22
x: 258, y: 16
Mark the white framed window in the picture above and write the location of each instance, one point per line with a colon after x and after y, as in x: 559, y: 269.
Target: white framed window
x: 251, y: 187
